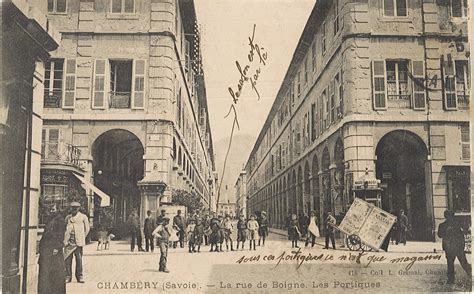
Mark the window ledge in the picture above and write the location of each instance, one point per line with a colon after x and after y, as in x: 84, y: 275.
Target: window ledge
x: 58, y: 13
x: 396, y: 19
x: 122, y: 15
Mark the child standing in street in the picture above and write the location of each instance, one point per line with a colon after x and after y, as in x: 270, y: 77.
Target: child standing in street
x: 252, y: 226
x: 191, y: 236
x: 162, y: 234
x: 229, y: 229
x: 198, y: 234
x: 294, y: 231
x: 241, y: 231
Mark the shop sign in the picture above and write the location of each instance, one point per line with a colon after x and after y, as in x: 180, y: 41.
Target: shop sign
x: 54, y: 177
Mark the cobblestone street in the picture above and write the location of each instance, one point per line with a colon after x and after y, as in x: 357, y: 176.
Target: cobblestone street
x: 120, y: 271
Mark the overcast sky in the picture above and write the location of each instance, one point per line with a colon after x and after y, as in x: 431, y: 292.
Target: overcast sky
x: 226, y: 26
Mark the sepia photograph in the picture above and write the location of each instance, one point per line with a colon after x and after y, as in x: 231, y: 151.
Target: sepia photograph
x: 235, y: 146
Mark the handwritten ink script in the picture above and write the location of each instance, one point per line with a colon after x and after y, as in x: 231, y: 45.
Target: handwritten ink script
x: 257, y: 55
x: 362, y: 258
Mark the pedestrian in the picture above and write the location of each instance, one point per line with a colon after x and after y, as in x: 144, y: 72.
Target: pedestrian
x: 178, y: 225
x: 207, y: 227
x: 303, y: 222
x: 215, y: 233
x: 52, y: 273
x: 222, y: 232
x: 161, y: 217
x: 191, y: 235
x: 198, y: 233
x: 241, y: 231
x: 262, y: 228
x: 77, y: 229
x: 229, y: 229
x: 313, y: 230
x: 329, y: 224
x: 135, y: 232
x: 453, y: 245
x: 288, y: 225
x: 393, y: 230
x: 162, y: 234
x: 252, y: 226
x: 402, y: 228
x: 148, y: 228
x: 294, y: 231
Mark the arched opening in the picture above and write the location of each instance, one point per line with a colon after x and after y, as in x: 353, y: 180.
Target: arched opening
x: 117, y: 167
x: 316, y: 198
x: 306, y: 189
x: 339, y: 197
x: 299, y: 191
x: 401, y: 164
x: 284, y: 199
x: 326, y: 181
x: 292, y: 196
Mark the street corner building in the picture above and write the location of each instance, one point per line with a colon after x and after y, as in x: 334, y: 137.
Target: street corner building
x: 125, y: 107
x: 381, y: 86
x: 108, y: 100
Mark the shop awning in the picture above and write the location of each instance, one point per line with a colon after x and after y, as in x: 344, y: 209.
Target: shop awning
x: 105, y: 199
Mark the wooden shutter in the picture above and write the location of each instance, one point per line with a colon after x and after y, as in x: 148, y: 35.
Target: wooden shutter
x: 138, y: 84
x: 419, y: 94
x: 69, y: 93
x: 449, y: 83
x: 388, y: 8
x: 100, y: 86
x: 378, y: 84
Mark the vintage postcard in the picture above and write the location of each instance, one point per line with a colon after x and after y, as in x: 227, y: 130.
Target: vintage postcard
x: 235, y: 146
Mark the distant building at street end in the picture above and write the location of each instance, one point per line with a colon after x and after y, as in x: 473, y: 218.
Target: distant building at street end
x: 383, y: 85
x: 125, y: 107
x: 241, y: 194
x: 226, y: 208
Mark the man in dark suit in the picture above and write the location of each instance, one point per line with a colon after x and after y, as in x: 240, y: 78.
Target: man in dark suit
x: 178, y: 224
x: 148, y: 229
x: 453, y: 244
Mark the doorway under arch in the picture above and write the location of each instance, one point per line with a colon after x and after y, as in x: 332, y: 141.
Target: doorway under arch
x: 117, y: 167
x: 401, y: 165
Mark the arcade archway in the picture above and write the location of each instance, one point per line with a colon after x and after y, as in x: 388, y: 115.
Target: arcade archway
x: 401, y: 164
x: 117, y: 167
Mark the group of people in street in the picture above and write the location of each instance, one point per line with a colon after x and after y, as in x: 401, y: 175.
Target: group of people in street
x: 307, y: 228
x: 63, y: 239
x: 197, y: 230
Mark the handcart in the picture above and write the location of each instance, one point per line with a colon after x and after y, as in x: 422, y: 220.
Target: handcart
x: 365, y: 224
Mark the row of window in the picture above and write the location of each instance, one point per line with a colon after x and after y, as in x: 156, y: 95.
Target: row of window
x: 115, y: 6
x: 402, y: 84
x: 116, y: 84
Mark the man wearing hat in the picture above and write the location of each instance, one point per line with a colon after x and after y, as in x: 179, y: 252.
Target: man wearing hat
x: 77, y: 229
x: 162, y: 234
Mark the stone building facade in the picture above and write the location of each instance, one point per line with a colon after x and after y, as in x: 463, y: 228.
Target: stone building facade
x: 376, y: 84
x: 126, y: 89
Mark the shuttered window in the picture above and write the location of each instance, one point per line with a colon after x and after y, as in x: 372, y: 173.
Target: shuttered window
x: 465, y: 142
x: 419, y: 95
x: 459, y: 8
x: 395, y: 8
x: 378, y: 84
x: 98, y: 100
x: 70, y: 84
x: 449, y: 85
x: 138, y: 84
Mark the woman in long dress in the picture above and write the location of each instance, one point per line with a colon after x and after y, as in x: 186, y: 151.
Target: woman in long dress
x: 52, y: 271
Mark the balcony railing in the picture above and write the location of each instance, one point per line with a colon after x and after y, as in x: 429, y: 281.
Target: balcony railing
x: 52, y: 99
x: 463, y: 100
x: 399, y: 101
x: 119, y: 99
x: 60, y: 152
